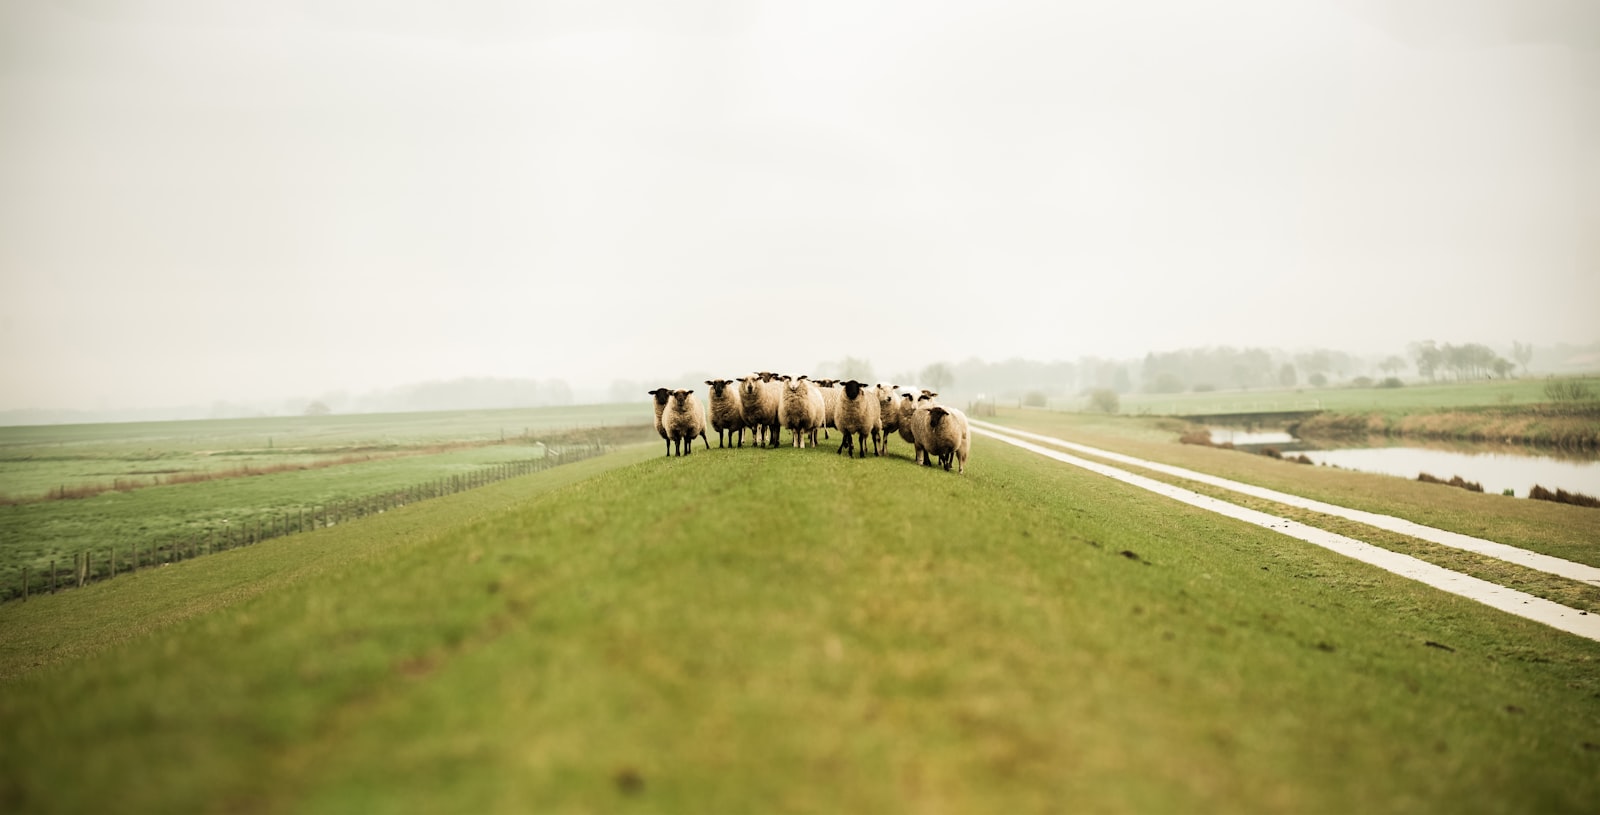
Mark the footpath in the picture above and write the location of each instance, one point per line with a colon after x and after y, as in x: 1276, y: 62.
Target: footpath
x: 1490, y: 594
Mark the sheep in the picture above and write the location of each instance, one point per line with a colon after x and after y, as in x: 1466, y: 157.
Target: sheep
x: 684, y: 420
x: 661, y: 396
x: 948, y: 436
x: 830, y: 403
x: 727, y: 410
x: 859, y: 413
x: 888, y: 412
x: 760, y: 400
x: 917, y: 419
x: 801, y: 410
x: 919, y: 426
x: 907, y: 407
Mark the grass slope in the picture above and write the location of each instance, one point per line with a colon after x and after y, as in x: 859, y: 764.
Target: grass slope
x: 782, y: 630
x: 1559, y: 530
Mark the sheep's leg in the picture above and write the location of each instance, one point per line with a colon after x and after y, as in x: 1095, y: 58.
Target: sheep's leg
x: 844, y: 441
x: 703, y: 439
x: 669, y: 447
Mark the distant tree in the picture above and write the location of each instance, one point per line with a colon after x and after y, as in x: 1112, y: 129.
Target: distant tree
x: 1165, y: 382
x: 1318, y: 379
x: 857, y: 369
x: 1392, y: 365
x: 318, y: 408
x: 1428, y: 359
x: 1523, y: 354
x: 938, y: 376
x: 1502, y: 367
x: 1286, y: 376
x: 1105, y: 400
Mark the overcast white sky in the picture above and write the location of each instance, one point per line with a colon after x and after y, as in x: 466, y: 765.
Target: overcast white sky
x: 208, y: 201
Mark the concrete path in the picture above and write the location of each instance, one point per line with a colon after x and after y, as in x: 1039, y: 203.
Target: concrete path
x: 1515, y: 602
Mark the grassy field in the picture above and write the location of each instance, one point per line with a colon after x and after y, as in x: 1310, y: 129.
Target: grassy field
x: 1560, y: 530
x: 783, y: 630
x: 226, y: 477
x: 1411, y: 398
x: 36, y: 460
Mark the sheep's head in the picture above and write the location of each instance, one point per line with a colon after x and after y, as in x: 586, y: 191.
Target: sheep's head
x: 936, y: 415
x: 852, y: 389
x: 768, y: 376
x: 719, y: 386
x: 680, y: 399
x: 661, y: 395
x: 748, y: 386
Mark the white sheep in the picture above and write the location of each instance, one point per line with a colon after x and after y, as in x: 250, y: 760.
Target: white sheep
x: 859, y: 413
x: 888, y: 412
x: 907, y: 406
x: 760, y: 395
x: 801, y: 410
x: 684, y: 420
x: 727, y: 410
x: 919, y: 426
x: 948, y: 436
x: 830, y: 403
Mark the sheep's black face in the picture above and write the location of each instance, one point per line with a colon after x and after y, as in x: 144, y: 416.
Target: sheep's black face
x: 852, y: 389
x: 936, y: 415
x: 661, y: 395
x: 681, y: 395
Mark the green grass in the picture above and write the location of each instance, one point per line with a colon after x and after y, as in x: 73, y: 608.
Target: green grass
x: 35, y: 460
x: 1412, y: 397
x: 782, y: 630
x: 1559, y: 530
x: 370, y: 455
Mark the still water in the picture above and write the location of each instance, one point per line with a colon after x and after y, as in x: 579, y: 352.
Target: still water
x: 1496, y: 471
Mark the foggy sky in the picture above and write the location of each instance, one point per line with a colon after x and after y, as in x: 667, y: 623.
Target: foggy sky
x: 205, y: 201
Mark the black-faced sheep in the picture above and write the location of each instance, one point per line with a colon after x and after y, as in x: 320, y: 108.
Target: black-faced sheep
x: 907, y: 408
x: 947, y: 437
x: 859, y: 414
x: 727, y: 411
x: 660, y: 396
x: 919, y: 426
x: 684, y: 420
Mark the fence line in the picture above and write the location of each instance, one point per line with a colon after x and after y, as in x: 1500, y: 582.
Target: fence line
x: 86, y: 568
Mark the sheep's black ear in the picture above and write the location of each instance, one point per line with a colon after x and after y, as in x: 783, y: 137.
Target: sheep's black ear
x: 687, y: 392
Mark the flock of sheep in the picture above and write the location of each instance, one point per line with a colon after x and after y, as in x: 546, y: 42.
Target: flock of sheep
x: 766, y: 403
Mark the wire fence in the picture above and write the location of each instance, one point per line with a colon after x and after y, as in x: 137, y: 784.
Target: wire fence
x: 114, y: 560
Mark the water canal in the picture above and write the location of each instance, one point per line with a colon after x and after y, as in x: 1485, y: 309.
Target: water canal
x: 1498, y: 468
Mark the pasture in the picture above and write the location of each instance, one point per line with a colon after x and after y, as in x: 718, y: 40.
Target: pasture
x: 1414, y: 397
x: 789, y: 630
x: 189, y: 485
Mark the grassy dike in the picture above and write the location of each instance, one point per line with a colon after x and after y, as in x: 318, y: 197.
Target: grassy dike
x: 782, y: 630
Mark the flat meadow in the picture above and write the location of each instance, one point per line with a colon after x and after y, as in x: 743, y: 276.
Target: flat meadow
x: 791, y: 630
x: 121, y: 490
